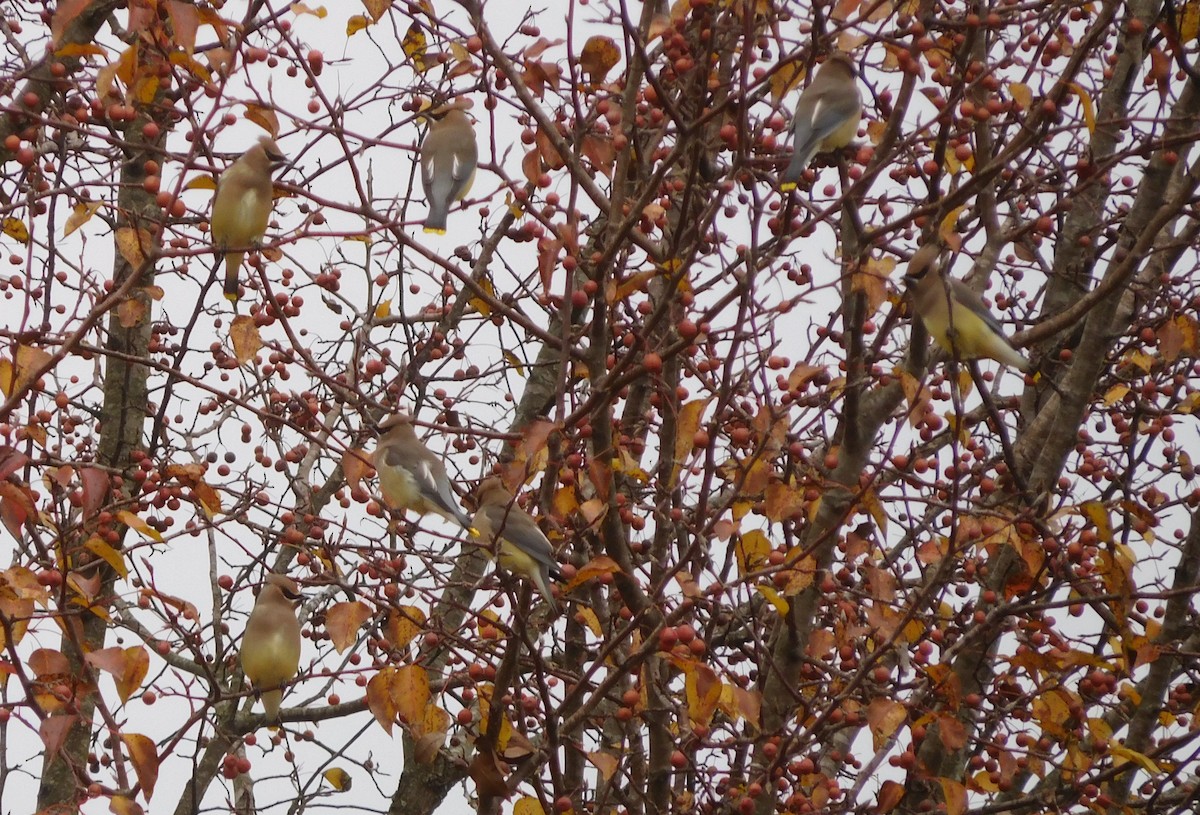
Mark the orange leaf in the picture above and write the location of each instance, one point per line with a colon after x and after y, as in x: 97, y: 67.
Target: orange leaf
x: 377, y: 8
x: 54, y: 729
x: 379, y: 698
x: 356, y: 464
x: 342, y: 622
x: 410, y: 693
x: 955, y: 795
x: 264, y: 117
x: 595, y: 567
x: 884, y: 717
x: 246, y: 340
x: 403, y: 625
x: 144, y: 757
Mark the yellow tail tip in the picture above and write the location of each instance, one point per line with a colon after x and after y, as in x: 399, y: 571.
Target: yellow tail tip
x: 435, y: 230
x: 787, y: 186
x: 231, y: 297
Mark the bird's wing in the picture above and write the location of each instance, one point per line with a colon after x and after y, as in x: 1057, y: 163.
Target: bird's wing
x: 964, y: 294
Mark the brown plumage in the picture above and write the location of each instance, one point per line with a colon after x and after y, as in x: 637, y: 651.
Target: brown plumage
x: 411, y: 476
x: 271, y: 644
x: 519, y: 544
x: 242, y: 206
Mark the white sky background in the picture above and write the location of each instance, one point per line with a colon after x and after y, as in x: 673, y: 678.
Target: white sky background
x: 353, y: 70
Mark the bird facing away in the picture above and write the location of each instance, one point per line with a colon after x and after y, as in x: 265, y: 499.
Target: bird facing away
x: 826, y: 117
x: 519, y: 545
x: 271, y: 645
x: 242, y: 206
x: 411, y: 476
x: 449, y: 156
x: 954, y: 315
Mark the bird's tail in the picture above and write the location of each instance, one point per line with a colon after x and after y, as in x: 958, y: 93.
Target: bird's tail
x: 272, y: 699
x: 435, y: 221
x: 544, y: 587
x: 233, y: 263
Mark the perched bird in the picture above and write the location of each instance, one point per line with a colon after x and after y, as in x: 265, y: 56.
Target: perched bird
x: 411, y: 476
x: 449, y: 156
x: 271, y: 645
x: 826, y: 116
x: 520, y: 546
x: 954, y: 315
x: 242, y: 206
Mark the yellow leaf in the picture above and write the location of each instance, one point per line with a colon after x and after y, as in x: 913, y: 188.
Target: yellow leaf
x: 138, y: 525
x: 948, y: 228
x: 481, y: 304
x: 201, y: 182
x: 686, y: 427
x: 884, y: 717
x: 75, y: 49
x: 1085, y: 100
x: 383, y: 310
x: 134, y: 245
x: 752, y: 551
x: 871, y: 501
x: 189, y: 64
x: 338, y: 778
x: 1115, y: 394
x: 598, y: 57
x: 15, y: 228
x: 1189, y: 21
x: 871, y: 280
x: 703, y: 690
x: 111, y: 556
x: 781, y: 605
x: 515, y: 361
x: 80, y: 215
x: 606, y: 763
x: 415, y: 45
x: 356, y: 24
x: 1021, y: 94
x: 786, y: 79
x: 404, y: 623
x: 1126, y: 755
x: 1097, y: 513
x: 319, y: 12
x: 531, y: 806
x: 590, y: 620
x: 24, y: 371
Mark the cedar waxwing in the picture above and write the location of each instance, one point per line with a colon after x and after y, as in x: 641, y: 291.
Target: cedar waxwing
x: 520, y: 546
x: 954, y: 315
x: 242, y: 206
x: 448, y: 159
x: 826, y: 116
x: 271, y: 645
x: 411, y: 476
